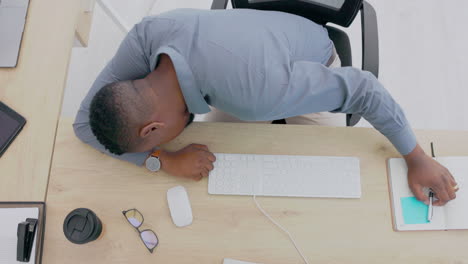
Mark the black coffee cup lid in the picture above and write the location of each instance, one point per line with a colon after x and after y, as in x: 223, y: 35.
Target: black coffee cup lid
x: 81, y: 226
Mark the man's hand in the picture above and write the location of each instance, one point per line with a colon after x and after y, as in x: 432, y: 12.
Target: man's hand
x: 423, y: 171
x: 194, y: 161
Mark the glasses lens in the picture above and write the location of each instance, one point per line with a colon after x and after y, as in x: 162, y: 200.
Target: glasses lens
x: 149, y: 238
x: 134, y: 217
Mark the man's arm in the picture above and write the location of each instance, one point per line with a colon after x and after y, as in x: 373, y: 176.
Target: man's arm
x: 350, y: 90
x: 129, y: 63
x: 316, y: 88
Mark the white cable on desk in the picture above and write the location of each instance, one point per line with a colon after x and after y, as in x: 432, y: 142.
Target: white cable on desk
x: 280, y: 227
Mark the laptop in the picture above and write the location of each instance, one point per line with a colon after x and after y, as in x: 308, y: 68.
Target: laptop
x: 12, y: 20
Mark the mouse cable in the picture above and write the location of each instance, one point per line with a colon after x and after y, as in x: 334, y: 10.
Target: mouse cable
x: 280, y: 227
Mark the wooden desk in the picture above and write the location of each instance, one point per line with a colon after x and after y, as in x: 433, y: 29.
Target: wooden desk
x: 328, y: 230
x: 34, y: 89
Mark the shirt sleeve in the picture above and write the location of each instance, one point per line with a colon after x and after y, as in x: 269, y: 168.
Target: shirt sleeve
x: 129, y: 63
x: 315, y: 88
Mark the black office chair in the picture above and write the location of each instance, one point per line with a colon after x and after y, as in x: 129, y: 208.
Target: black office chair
x: 340, y: 12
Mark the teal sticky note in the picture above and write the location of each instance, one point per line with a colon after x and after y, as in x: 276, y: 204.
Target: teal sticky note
x: 414, y: 211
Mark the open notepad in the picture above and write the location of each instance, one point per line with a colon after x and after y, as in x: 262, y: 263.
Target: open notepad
x: 411, y: 214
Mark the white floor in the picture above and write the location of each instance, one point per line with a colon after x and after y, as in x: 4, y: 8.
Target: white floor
x: 423, y: 55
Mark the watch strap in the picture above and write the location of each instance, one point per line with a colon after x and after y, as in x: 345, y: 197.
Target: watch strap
x: 157, y: 153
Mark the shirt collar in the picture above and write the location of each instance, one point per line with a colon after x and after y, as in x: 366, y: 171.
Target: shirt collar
x: 192, y: 95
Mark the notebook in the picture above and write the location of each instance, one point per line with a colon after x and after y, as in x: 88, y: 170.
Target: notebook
x: 411, y: 214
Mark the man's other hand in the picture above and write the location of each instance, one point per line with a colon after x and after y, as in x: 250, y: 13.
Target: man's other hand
x: 423, y: 171
x: 194, y: 161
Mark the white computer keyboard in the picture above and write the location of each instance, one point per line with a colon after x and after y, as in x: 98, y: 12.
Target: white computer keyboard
x: 285, y: 175
x: 233, y: 261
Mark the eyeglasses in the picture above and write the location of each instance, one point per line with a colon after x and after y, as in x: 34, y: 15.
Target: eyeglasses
x: 149, y: 238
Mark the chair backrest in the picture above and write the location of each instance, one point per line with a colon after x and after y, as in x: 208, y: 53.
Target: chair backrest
x: 340, y: 12
x: 342, y: 44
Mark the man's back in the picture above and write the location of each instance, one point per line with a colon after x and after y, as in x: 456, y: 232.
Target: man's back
x: 240, y: 50
x: 217, y: 52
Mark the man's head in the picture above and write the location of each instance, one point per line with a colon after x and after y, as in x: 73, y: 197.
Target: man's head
x: 136, y: 116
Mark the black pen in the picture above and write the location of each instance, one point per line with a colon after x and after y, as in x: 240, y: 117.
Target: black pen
x: 431, y: 194
x: 430, y: 211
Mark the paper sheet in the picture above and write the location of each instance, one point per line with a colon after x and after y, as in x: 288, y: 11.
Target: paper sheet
x: 9, y: 220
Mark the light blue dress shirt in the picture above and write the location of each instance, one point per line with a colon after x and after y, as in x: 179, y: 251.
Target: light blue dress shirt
x: 255, y: 65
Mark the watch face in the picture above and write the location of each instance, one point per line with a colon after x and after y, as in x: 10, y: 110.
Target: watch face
x: 153, y: 164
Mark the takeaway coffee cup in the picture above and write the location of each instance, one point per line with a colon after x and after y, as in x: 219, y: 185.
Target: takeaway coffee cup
x: 82, y: 226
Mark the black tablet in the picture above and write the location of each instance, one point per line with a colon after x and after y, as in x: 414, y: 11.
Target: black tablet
x: 11, y: 124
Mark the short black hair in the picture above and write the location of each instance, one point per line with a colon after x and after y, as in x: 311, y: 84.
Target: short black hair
x: 109, y: 116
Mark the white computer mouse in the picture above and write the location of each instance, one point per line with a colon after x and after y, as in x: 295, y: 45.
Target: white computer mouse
x: 179, y: 206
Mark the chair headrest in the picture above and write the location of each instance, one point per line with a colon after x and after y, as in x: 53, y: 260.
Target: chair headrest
x: 340, y: 12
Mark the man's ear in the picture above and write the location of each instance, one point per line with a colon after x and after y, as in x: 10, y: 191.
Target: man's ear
x: 150, y: 128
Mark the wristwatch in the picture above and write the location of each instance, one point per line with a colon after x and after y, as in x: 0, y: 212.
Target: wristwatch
x: 153, y: 163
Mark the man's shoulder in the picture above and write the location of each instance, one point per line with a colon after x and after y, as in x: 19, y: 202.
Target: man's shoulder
x: 168, y: 22
x: 179, y: 14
